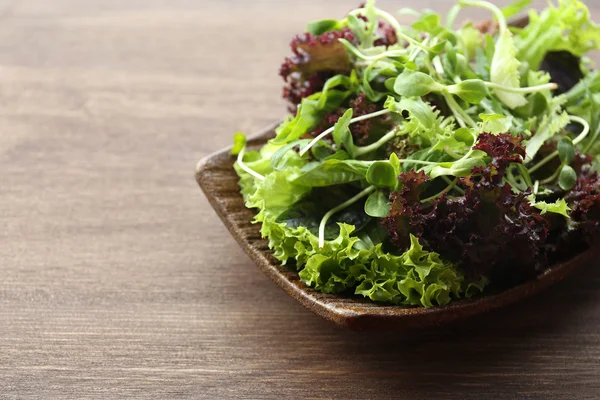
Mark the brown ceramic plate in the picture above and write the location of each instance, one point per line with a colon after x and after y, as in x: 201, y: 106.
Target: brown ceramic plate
x: 218, y: 180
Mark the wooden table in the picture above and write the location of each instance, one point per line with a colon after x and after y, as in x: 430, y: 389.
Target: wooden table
x: 118, y: 280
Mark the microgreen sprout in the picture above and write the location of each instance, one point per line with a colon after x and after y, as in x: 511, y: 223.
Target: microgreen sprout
x: 577, y: 140
x: 239, y: 148
x: 330, y: 130
x: 339, y: 208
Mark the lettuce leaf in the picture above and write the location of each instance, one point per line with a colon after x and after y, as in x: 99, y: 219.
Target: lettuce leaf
x: 563, y: 27
x: 347, y: 263
x: 505, y: 71
x: 416, y: 277
x: 558, y: 207
x: 553, y: 121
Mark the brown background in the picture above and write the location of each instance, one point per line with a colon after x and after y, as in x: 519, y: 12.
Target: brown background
x: 118, y: 280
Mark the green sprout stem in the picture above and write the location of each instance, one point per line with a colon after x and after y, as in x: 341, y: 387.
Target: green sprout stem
x: 554, y: 175
x: 415, y: 53
x: 418, y: 162
x: 443, y: 192
x: 437, y: 64
x: 408, y: 160
x: 584, y: 132
x: 578, y: 139
x: 394, y: 23
x: 339, y: 208
x: 458, y: 117
x: 452, y: 154
x: 433, y: 71
x: 525, y: 175
x: 543, y: 162
x: 387, y: 54
x: 456, y: 188
x: 592, y: 140
x: 458, y: 111
x: 242, y: 164
x: 362, y: 150
x: 330, y: 130
x: 452, y: 14
x: 514, y: 181
x: 524, y: 90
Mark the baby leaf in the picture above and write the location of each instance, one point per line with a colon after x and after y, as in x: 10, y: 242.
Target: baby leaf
x: 341, y: 132
x: 389, y: 84
x: 566, y: 150
x: 490, y: 117
x: 309, y: 115
x: 465, y: 135
x: 395, y: 162
x: 495, y: 123
x: 451, y: 55
x: 459, y: 168
x: 417, y: 108
x: 321, y: 150
x: 472, y: 40
x: 280, y: 153
x: 382, y: 174
x: 437, y: 49
x: 471, y: 90
x: 462, y: 66
x: 339, y: 155
x: 334, y: 81
x: 377, y: 205
x: 357, y: 26
x: 371, y: 24
x: 332, y: 172
x: 429, y: 22
x: 537, y: 104
x: 415, y: 84
x: 567, y: 178
x: 239, y: 142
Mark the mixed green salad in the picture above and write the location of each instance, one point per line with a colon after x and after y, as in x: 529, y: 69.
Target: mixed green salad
x: 423, y: 163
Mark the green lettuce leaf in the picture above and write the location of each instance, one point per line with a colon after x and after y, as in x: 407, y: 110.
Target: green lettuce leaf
x: 310, y: 113
x: 349, y: 262
x: 505, y: 71
x: 558, y: 207
x: 331, y: 172
x: 553, y: 121
x: 276, y: 193
x: 416, y: 277
x: 563, y: 27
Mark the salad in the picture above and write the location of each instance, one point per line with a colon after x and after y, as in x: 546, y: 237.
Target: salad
x: 423, y: 163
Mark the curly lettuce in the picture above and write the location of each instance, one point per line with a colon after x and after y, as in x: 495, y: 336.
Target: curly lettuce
x: 563, y: 27
x: 348, y: 263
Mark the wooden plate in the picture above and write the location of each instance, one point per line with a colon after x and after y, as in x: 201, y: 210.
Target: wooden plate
x: 218, y: 180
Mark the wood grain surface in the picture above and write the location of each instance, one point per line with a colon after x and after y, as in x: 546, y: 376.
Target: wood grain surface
x: 117, y: 280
